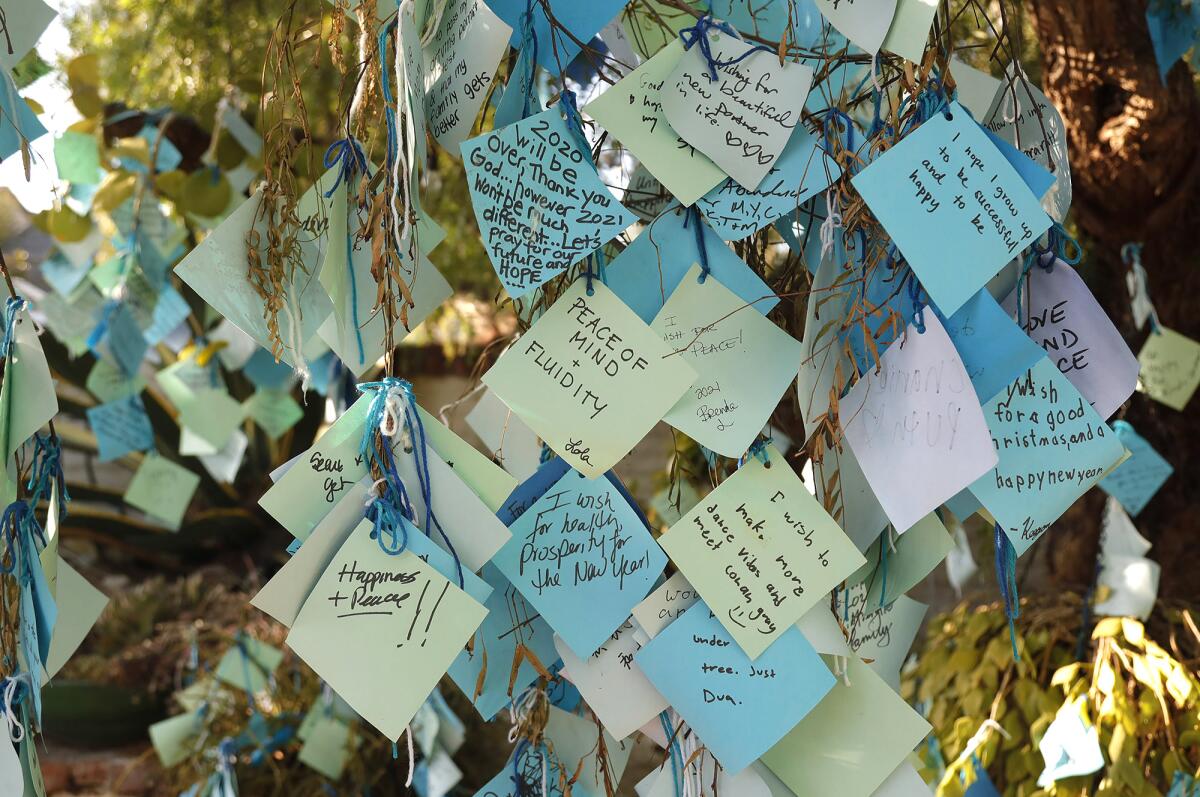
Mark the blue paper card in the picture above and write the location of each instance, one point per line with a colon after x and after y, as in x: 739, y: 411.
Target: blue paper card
x: 529, y: 491
x: 953, y: 204
x: 17, y: 119
x: 433, y: 555
x: 64, y: 276
x: 583, y: 558
x: 511, y: 105
x: 982, y: 786
x: 121, y: 427
x: 738, y: 707
x: 540, y: 205
x: 1138, y: 478
x: 651, y: 267
x: 125, y: 339
x: 510, y: 619
x: 1037, y: 177
x: 265, y: 372
x: 1052, y: 448
x: 801, y: 170
x: 994, y: 350
x: 169, y: 312
x: 529, y: 770
x: 555, y: 49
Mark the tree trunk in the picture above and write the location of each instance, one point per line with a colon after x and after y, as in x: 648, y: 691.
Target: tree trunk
x: 1135, y: 159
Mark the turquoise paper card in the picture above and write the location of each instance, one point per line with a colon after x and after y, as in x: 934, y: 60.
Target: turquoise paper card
x: 583, y: 558
x: 739, y: 708
x: 953, y: 204
x: 121, y: 427
x: 1137, y: 479
x: 650, y: 268
x: 540, y: 205
x: 1052, y: 447
x: 993, y: 348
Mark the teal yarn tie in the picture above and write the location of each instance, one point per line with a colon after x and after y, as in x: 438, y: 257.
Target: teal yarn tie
x: 1006, y: 576
x: 697, y: 35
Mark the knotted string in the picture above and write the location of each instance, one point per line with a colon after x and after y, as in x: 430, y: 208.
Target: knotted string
x: 1006, y: 577
x: 1131, y: 254
x: 758, y: 450
x: 11, y: 308
x: 692, y: 216
x: 47, y: 471
x: 918, y: 308
x: 393, y: 410
x: 347, y: 155
x: 20, y: 530
x: 570, y: 110
x: 698, y: 34
x: 14, y: 695
x: 675, y: 755
x: 597, y: 258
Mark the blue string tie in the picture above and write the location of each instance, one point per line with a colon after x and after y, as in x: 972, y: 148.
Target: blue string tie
x: 11, y: 308
x: 347, y: 155
x: 529, y: 43
x: 1006, y: 577
x: 692, y: 217
x: 698, y: 34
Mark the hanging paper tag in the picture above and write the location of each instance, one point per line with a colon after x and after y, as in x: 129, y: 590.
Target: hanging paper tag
x: 1170, y: 367
x: 744, y: 118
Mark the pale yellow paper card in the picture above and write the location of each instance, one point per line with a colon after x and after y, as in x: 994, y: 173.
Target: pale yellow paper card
x: 382, y: 629
x: 761, y: 551
x: 590, y: 378
x: 1170, y: 368
x: 851, y: 742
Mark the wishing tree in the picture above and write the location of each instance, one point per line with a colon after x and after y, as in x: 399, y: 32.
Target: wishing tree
x: 826, y: 244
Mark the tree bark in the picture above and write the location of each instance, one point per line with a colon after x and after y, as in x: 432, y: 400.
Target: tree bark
x: 1135, y: 156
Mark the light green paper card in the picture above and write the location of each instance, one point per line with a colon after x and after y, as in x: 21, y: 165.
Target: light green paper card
x: 213, y: 415
x: 851, y: 742
x: 1170, y: 368
x: 631, y: 110
x: 910, y: 28
x: 917, y: 551
x: 486, y: 479
x: 669, y: 507
x: 327, y: 747
x: 248, y: 664
x: 107, y: 383
x: 24, y: 23
x: 745, y: 363
x: 105, y: 276
x: 590, y: 378
x: 575, y: 739
x: 217, y: 270
x: 182, y: 380
x: 27, y: 398
x: 172, y: 737
x: 381, y: 630
x: 162, y: 489
x: 49, y: 554
x: 761, y: 551
x: 77, y: 158
x: 275, y: 411
x: 79, y: 607
x: 72, y: 319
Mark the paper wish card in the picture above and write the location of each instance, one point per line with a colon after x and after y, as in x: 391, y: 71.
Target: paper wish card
x: 851, y: 742
x: 743, y: 119
x: 910, y: 29
x: 583, y: 558
x: 665, y: 604
x: 18, y: 123
x: 1063, y: 317
x: 162, y: 489
x: 650, y: 268
x: 613, y: 683
x: 994, y: 350
x: 737, y: 706
x: 218, y: 270
x: 1170, y: 367
x: 895, y: 566
x: 510, y: 622
x: 744, y: 360
x: 1052, y: 447
x: 121, y: 427
x: 512, y: 443
x: 761, y: 551
x: 863, y: 22
x: 632, y: 112
x: 590, y: 378
x: 555, y: 48
x: 801, y: 171
x: 955, y: 207
x: 249, y: 664
x: 79, y: 607
x: 1135, y: 481
x: 460, y: 62
x: 917, y: 412
x: 540, y: 205
x: 373, y: 617
x: 883, y: 635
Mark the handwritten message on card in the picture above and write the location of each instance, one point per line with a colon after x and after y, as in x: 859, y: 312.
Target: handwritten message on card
x: 761, y: 551
x: 918, y: 413
x: 589, y: 378
x: 632, y: 111
x: 745, y: 363
x: 1052, y: 448
x: 121, y: 427
x: 882, y: 634
x: 1137, y: 479
x: 1170, y: 367
x: 583, y: 558
x: 459, y: 65
x: 801, y: 170
x: 1063, y: 317
x: 665, y: 604
x: 744, y: 118
x: 540, y: 205
x: 952, y: 203
x: 738, y: 706
x: 372, y: 615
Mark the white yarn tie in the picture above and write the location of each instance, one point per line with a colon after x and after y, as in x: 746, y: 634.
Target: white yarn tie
x: 833, y: 222
x: 16, y: 731
x: 411, y: 757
